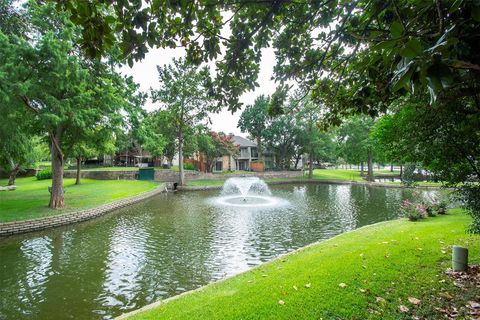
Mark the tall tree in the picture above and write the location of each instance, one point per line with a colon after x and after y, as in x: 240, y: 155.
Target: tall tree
x: 254, y: 120
x: 314, y: 141
x: 183, y: 92
x: 162, y: 123
x: 281, y: 137
x: 89, y: 143
x: 356, y: 143
x: 62, y: 94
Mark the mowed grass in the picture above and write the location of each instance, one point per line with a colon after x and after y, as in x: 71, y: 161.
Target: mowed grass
x: 31, y: 198
x: 318, y: 174
x: 364, y: 274
x: 337, y: 174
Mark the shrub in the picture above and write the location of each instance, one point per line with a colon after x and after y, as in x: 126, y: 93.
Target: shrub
x: 44, y: 174
x: 469, y: 195
x: 430, y: 209
x: 413, y: 211
x: 189, y: 166
x: 440, y: 207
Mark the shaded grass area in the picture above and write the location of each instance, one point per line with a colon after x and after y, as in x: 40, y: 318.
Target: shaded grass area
x: 367, y: 273
x: 31, y: 198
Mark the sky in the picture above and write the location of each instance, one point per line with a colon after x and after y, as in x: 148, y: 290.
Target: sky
x: 145, y: 74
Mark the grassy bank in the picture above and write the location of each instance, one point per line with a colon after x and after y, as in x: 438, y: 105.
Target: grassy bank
x: 368, y: 273
x: 31, y: 198
x: 318, y: 174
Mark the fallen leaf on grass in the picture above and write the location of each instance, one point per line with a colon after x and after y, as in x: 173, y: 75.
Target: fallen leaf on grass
x: 446, y: 295
x: 403, y: 308
x: 413, y: 300
x: 295, y: 288
x: 281, y: 302
x: 362, y: 290
x: 308, y: 285
x: 380, y: 300
x: 264, y: 275
x: 342, y: 285
x: 474, y: 305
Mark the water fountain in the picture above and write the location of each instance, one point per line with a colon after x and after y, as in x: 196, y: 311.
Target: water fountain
x: 247, y: 192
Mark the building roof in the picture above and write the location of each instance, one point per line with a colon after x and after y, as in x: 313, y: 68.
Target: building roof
x: 243, y: 142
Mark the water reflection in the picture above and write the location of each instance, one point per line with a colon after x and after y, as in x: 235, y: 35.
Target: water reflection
x: 170, y: 244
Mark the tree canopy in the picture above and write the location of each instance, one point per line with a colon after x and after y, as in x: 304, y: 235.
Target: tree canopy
x: 183, y: 93
x: 61, y: 95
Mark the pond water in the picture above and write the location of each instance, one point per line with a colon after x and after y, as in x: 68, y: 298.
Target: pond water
x: 172, y: 243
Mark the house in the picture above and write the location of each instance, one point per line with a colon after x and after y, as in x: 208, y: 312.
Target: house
x: 135, y: 156
x: 242, y: 161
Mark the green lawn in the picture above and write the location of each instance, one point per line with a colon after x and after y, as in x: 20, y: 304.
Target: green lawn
x: 354, y: 175
x: 367, y: 273
x: 318, y: 174
x: 337, y: 174
x: 31, y: 198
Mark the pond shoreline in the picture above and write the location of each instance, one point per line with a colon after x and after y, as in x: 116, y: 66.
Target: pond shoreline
x: 260, y: 266
x: 31, y: 225
x: 238, y: 284
x: 313, y: 181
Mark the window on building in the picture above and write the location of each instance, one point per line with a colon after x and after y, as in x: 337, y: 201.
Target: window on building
x: 244, y: 153
x: 254, y: 152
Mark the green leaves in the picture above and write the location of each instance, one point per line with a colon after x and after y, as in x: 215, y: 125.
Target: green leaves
x: 396, y: 29
x: 412, y: 49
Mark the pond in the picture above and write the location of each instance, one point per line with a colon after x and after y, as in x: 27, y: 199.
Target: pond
x: 172, y: 243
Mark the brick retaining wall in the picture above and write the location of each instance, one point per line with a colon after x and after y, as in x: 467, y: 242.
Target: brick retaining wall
x: 18, y: 227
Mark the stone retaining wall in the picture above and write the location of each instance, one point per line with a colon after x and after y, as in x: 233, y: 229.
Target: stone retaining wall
x: 18, y: 227
x: 102, y: 175
x: 21, y: 174
x: 172, y: 176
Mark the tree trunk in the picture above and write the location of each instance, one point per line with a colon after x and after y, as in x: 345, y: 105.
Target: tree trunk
x: 401, y: 170
x: 370, y: 166
x: 259, y: 148
x: 391, y: 168
x: 297, y: 160
x: 79, y: 163
x: 180, y: 159
x: 56, y: 194
x: 310, y: 166
x: 361, y: 169
x: 13, y: 175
